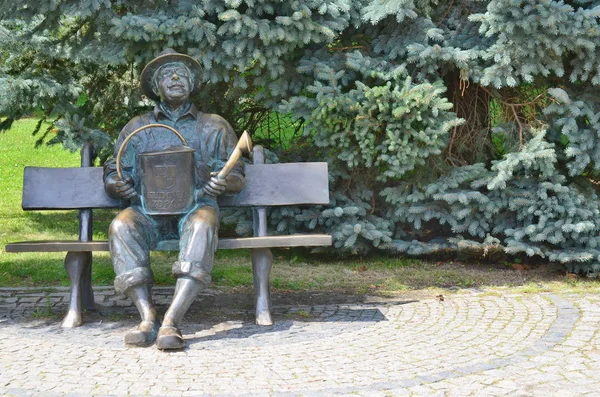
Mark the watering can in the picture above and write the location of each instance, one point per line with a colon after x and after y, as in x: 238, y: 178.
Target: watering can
x: 166, y: 176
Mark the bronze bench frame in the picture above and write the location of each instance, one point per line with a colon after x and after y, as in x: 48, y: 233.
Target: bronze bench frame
x: 266, y: 185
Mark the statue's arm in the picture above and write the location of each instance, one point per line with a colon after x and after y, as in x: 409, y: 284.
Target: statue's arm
x: 232, y: 184
x: 235, y: 181
x: 110, y: 178
x: 115, y: 187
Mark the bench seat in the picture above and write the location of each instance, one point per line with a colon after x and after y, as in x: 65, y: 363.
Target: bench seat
x: 294, y: 240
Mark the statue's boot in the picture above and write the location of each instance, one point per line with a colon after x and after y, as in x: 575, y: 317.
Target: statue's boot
x: 145, y: 333
x: 169, y: 336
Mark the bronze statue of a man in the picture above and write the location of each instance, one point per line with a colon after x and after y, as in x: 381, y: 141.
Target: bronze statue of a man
x: 169, y: 79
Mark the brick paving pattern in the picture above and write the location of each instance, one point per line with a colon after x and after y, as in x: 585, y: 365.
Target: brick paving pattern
x: 466, y: 345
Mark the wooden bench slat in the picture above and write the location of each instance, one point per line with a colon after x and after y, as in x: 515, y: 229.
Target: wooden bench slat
x: 82, y: 187
x: 294, y: 240
x: 282, y: 184
x: 56, y: 246
x: 65, y: 188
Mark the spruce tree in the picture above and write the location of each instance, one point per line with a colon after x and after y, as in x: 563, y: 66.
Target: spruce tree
x: 447, y: 124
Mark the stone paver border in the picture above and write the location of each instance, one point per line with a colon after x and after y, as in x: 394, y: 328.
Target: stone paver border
x: 517, y: 345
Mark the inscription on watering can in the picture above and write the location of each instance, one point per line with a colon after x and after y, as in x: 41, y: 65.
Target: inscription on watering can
x: 168, y: 181
x: 165, y: 176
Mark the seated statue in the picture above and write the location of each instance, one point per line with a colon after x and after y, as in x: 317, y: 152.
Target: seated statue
x: 169, y: 79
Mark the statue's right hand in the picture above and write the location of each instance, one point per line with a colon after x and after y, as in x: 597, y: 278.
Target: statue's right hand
x: 124, y: 188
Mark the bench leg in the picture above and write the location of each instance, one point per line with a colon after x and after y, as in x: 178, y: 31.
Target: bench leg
x: 87, y: 293
x: 77, y: 264
x: 262, y: 261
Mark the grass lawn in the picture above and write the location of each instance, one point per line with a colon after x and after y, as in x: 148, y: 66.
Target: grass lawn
x: 294, y: 270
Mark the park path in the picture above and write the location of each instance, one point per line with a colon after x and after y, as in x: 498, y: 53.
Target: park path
x: 466, y: 344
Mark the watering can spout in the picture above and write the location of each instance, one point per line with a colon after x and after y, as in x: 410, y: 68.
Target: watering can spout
x: 244, y: 145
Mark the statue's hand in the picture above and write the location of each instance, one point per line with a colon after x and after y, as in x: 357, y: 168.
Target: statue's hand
x: 125, y: 189
x: 215, y: 186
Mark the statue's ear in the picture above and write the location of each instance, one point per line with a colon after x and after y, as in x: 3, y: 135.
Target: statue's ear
x: 155, y: 88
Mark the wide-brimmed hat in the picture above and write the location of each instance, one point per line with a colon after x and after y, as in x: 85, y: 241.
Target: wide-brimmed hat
x: 168, y: 56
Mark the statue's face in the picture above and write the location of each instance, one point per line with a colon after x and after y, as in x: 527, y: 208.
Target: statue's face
x: 173, y: 83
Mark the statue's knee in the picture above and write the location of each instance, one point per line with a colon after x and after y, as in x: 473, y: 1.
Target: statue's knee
x: 132, y: 278
x: 203, y: 222
x: 117, y: 227
x: 200, y: 227
x: 195, y: 270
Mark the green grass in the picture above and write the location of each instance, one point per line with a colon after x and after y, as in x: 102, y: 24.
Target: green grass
x: 294, y: 269
x: 17, y: 151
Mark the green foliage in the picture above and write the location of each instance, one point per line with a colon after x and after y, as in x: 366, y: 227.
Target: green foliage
x: 579, y: 122
x: 371, y: 87
x: 564, y: 43
x: 56, y: 51
x: 393, y: 125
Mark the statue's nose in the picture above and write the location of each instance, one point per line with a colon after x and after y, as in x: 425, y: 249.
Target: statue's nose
x: 175, y: 76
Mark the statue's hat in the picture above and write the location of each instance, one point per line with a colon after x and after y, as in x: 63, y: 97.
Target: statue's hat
x: 168, y: 56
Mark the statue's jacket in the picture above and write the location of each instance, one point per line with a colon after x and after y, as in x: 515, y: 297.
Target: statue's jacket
x: 133, y: 233
x: 210, y: 135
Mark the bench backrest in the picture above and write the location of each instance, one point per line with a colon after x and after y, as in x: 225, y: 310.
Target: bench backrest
x: 266, y: 185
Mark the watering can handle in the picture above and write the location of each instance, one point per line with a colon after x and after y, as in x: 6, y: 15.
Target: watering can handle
x: 122, y: 148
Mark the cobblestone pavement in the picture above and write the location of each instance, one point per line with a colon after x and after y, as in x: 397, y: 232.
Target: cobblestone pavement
x: 474, y: 344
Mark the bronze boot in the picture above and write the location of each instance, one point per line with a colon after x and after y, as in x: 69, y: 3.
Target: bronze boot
x: 169, y: 336
x: 145, y: 333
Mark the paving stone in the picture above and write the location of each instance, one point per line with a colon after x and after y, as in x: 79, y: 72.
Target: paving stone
x: 533, y: 345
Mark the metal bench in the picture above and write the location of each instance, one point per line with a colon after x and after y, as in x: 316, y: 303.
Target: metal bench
x: 82, y: 189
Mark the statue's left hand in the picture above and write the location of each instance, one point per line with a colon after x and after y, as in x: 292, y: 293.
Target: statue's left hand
x: 215, y: 186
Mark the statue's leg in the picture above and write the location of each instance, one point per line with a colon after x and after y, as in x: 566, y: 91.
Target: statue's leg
x: 262, y: 262
x: 131, y: 236
x: 145, y: 333
x: 77, y: 264
x: 198, y: 243
x: 169, y: 335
